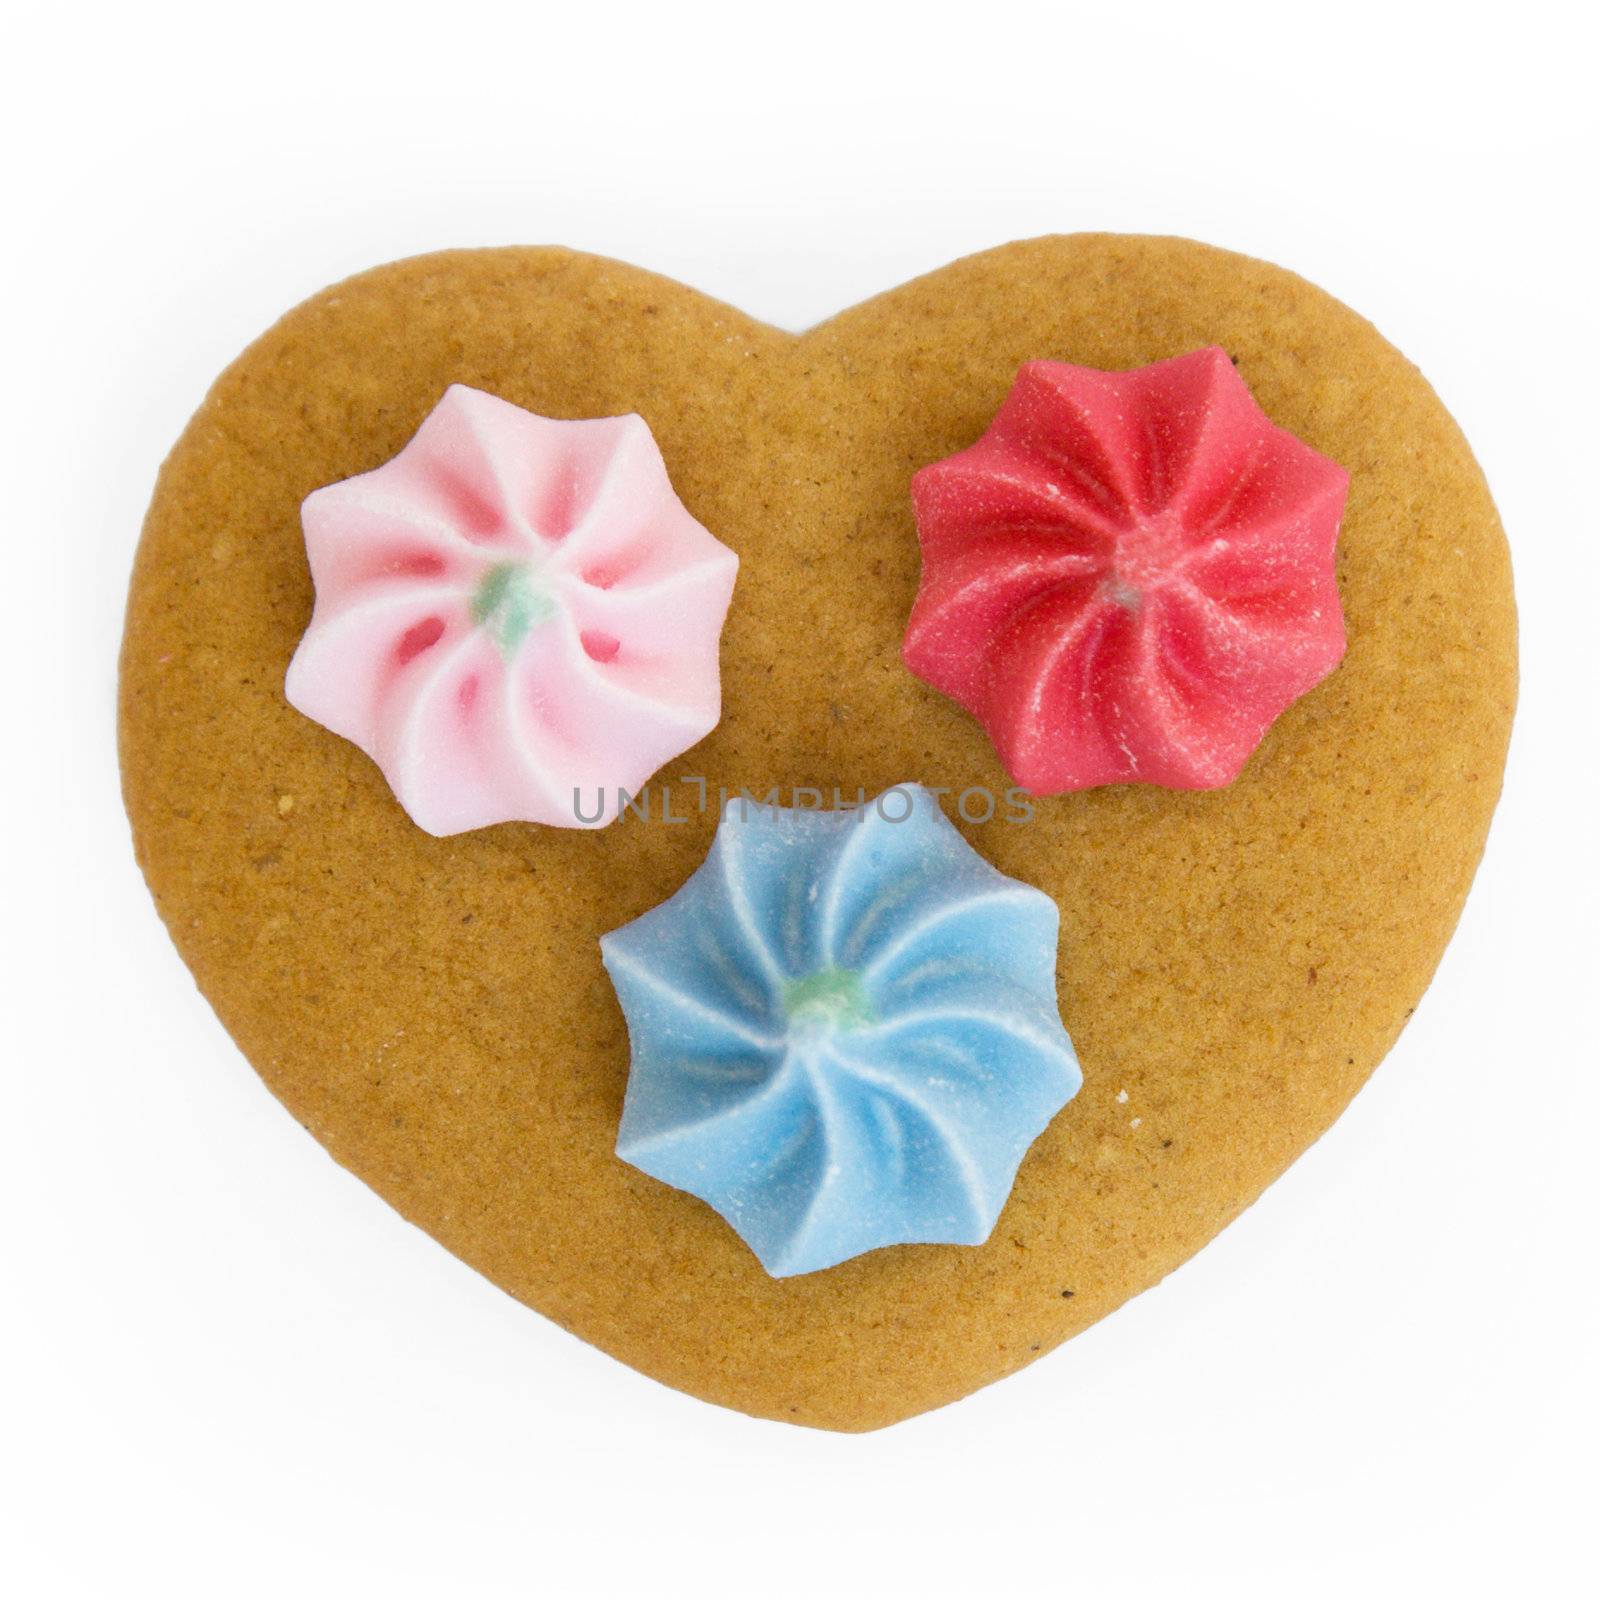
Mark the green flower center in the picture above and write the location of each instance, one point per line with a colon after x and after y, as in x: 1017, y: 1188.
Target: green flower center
x: 829, y: 998
x: 508, y: 602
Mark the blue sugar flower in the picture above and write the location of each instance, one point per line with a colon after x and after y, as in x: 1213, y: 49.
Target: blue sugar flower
x: 844, y: 1031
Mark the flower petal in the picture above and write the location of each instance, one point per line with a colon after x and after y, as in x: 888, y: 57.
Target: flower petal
x: 352, y: 658
x: 973, y: 595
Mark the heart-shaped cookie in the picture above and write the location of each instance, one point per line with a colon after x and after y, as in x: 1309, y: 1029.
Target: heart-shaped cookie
x: 1232, y: 964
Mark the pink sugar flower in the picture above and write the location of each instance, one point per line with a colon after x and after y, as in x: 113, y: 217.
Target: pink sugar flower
x: 511, y: 613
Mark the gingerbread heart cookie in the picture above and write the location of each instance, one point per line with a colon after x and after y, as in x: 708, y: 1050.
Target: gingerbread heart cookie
x: 1232, y: 962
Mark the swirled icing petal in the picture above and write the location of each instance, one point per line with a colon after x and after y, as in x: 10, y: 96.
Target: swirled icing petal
x: 844, y: 1031
x: 1130, y: 576
x: 512, y: 613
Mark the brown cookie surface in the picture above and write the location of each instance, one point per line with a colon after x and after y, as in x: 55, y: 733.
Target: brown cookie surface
x: 1234, y: 963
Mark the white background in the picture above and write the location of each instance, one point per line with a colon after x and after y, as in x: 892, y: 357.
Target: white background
x: 230, y: 1370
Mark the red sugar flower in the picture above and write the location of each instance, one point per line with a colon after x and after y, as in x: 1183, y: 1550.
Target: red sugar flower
x: 1129, y: 576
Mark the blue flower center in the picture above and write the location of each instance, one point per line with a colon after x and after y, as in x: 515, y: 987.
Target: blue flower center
x: 829, y: 998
